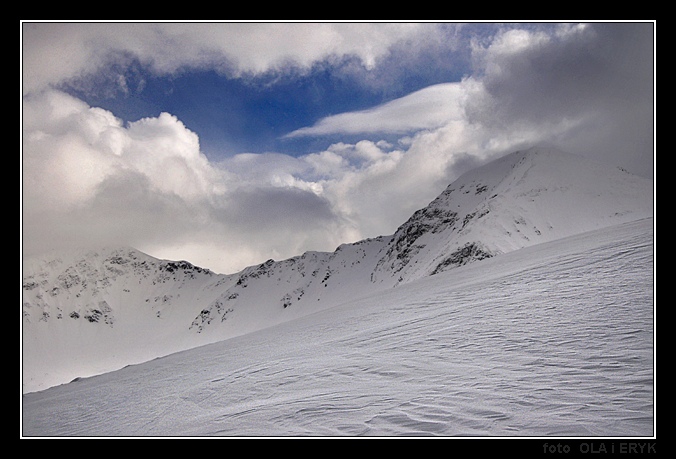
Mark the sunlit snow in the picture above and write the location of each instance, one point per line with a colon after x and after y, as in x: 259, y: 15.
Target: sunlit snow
x: 518, y: 302
x: 554, y: 339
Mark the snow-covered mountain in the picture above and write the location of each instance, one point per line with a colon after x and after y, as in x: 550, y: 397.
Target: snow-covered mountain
x: 556, y: 339
x: 525, y: 198
x: 91, y: 312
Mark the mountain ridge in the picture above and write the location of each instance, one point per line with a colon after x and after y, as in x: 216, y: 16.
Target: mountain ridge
x: 119, y: 294
x: 507, y: 204
x: 553, y: 339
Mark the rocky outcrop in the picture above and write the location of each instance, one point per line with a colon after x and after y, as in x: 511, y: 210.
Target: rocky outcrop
x: 472, y: 251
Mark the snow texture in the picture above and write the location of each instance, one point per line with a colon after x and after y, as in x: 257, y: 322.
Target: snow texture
x: 554, y: 339
x: 505, y: 306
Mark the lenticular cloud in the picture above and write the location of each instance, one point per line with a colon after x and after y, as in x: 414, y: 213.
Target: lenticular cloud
x: 428, y: 108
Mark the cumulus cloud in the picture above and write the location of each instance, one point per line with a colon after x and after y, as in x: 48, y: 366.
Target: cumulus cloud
x: 86, y: 176
x: 586, y: 87
x: 72, y: 148
x: 90, y: 178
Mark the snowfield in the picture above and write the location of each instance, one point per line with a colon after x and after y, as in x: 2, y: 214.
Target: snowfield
x: 555, y: 338
x: 88, y: 312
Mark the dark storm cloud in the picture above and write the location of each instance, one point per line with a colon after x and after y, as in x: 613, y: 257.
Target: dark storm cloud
x: 600, y: 74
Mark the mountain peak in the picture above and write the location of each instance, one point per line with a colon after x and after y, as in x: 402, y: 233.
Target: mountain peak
x: 524, y: 198
x: 124, y: 306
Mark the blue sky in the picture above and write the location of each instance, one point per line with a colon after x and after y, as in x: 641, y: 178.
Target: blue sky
x: 235, y: 115
x: 227, y: 144
x: 252, y: 113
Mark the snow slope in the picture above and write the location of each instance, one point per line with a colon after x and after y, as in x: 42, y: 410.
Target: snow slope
x: 553, y: 339
x: 524, y: 198
x: 91, y: 312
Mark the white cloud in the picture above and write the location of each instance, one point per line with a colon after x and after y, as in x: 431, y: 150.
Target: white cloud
x: 55, y: 52
x: 60, y: 139
x: 587, y: 88
x: 428, y: 108
x: 79, y: 146
x: 88, y: 178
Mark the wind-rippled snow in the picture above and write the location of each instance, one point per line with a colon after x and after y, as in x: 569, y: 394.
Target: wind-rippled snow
x: 554, y: 339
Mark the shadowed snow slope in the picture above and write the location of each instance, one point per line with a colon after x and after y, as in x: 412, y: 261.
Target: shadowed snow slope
x: 95, y: 311
x: 552, y: 339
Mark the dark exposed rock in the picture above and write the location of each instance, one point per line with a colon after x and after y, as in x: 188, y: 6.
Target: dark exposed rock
x: 471, y: 251
x: 405, y: 245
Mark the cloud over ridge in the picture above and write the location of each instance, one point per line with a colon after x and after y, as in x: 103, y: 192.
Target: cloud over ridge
x: 89, y: 177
